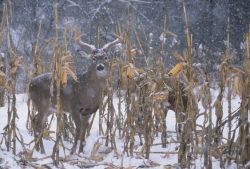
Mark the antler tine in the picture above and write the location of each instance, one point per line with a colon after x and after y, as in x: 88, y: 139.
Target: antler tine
x: 108, y: 45
x: 83, y: 44
x: 77, y: 38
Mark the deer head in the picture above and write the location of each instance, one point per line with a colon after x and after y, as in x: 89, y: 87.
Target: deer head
x: 98, y: 56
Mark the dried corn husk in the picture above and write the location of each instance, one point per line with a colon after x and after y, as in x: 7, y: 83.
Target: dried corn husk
x: 67, y: 69
x: 15, y: 62
x: 176, y: 69
x: 2, y: 78
x: 159, y: 96
x: 131, y: 71
x: 237, y: 86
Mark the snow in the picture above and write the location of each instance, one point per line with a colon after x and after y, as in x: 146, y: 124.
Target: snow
x: 159, y: 158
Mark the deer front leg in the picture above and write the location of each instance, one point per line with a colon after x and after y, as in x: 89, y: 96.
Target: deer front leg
x: 84, y: 126
x: 77, y: 136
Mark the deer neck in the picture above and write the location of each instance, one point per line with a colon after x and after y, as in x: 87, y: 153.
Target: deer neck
x: 91, y: 78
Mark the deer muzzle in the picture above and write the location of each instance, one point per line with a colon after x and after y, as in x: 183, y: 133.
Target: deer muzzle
x: 100, y: 67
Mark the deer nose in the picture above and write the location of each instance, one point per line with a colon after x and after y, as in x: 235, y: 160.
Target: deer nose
x: 100, y: 67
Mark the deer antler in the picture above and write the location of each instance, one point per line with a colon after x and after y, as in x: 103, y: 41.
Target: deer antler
x: 81, y: 43
x: 108, y: 45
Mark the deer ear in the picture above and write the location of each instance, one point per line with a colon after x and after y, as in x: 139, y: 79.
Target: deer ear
x: 84, y: 54
x: 105, y: 50
x: 93, y: 58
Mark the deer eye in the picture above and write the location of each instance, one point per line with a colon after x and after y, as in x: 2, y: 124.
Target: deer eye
x: 106, y: 58
x: 94, y: 59
x: 94, y: 52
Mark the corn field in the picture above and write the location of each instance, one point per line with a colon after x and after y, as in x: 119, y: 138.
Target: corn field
x: 136, y: 102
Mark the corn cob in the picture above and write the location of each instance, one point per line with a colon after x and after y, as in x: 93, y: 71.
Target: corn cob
x: 176, y: 70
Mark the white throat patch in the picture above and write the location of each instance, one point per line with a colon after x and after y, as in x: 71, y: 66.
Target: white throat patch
x: 102, y: 73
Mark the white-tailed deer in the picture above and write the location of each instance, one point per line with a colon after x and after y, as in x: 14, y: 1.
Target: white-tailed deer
x: 79, y: 98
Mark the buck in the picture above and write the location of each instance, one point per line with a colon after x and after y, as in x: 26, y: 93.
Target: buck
x: 80, y: 98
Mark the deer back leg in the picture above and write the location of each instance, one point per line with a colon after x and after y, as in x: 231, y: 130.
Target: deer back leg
x: 38, y: 127
x: 77, y: 122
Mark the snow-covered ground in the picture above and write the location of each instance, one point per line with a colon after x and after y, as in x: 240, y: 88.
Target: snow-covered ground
x: 103, y: 157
